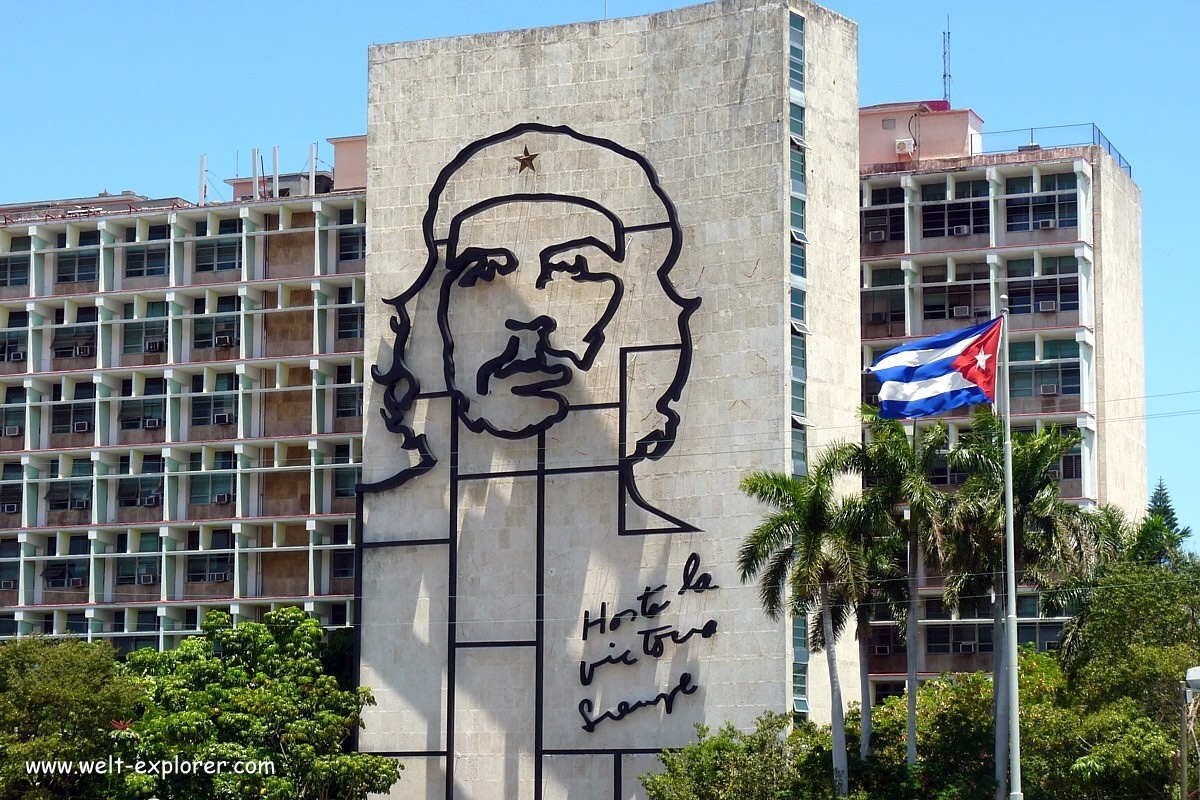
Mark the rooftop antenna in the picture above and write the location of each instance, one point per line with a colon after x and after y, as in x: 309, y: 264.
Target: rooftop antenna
x: 946, y: 62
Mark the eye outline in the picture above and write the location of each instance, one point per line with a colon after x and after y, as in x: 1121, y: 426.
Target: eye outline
x: 477, y: 263
x: 578, y: 268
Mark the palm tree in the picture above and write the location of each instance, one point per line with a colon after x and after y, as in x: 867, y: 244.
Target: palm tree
x: 1050, y: 538
x: 897, y: 467
x: 802, y: 544
x: 871, y: 530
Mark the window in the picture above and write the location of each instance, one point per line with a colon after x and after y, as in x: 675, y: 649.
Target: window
x: 207, y: 409
x: 14, y: 270
x: 1060, y: 265
x: 1060, y: 348
x: 352, y: 242
x: 799, y: 451
x: 1056, y: 206
x: 72, y: 417
x: 346, y: 478
x: 1043, y: 295
x: 1059, y: 378
x: 796, y: 121
x: 143, y: 262
x: 796, y: 53
x: 798, y: 391
x: 1027, y: 605
x: 145, y: 337
x: 221, y: 254
x: 937, y: 639
x: 207, y: 488
x: 151, y: 406
x: 799, y: 357
x: 887, y: 196
x: 798, y: 299
x: 798, y: 171
x: 886, y: 224
x: 218, y: 331
x: 1020, y: 351
x: 953, y: 219
x: 887, y: 276
x: 935, y: 608
x: 9, y: 548
x: 348, y: 400
x: 797, y: 219
x: 966, y: 189
x: 76, y: 341
x: 210, y: 568
x: 341, y: 564
x: 13, y: 415
x: 77, y: 265
x: 64, y: 495
x: 798, y: 258
x: 349, y: 320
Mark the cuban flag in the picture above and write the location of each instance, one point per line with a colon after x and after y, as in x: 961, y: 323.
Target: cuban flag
x: 931, y: 376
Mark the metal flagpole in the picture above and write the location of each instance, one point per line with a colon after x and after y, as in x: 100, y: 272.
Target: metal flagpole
x: 1010, y: 622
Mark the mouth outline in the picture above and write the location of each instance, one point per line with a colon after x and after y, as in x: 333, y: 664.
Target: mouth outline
x: 507, y: 364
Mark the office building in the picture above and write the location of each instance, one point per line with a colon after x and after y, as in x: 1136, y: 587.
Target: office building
x: 954, y: 218
x: 182, y: 406
x: 612, y: 270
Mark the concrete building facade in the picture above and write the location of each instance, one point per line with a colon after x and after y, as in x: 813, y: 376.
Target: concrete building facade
x: 954, y: 218
x: 611, y: 270
x: 182, y: 409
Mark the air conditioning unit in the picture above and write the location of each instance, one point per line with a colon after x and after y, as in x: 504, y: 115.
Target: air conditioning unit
x: 155, y: 346
x: 151, y: 423
x: 83, y: 504
x: 222, y: 419
x: 1048, y: 389
x: 148, y: 579
x: 218, y: 577
x: 151, y: 500
x: 11, y: 508
x: 961, y: 312
x: 966, y: 647
x: 1054, y: 474
x: 876, y: 236
x: 16, y: 355
x: 83, y: 351
x: 81, y: 427
x: 878, y: 317
x: 960, y: 230
x: 12, y: 430
x: 1046, y: 224
x: 76, y: 583
x: 882, y: 650
x: 7, y: 585
x: 221, y: 499
x: 1047, y: 305
x: 223, y: 341
x: 905, y: 147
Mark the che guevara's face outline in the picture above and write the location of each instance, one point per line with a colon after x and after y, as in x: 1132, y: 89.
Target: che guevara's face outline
x: 539, y: 356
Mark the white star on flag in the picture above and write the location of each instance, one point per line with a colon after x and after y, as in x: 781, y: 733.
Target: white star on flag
x: 981, y: 359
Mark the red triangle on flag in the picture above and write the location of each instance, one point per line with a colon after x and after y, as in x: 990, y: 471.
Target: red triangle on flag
x: 978, y: 361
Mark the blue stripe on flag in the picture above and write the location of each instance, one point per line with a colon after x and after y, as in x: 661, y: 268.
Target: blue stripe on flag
x: 941, y: 340
x: 921, y: 372
x: 940, y: 403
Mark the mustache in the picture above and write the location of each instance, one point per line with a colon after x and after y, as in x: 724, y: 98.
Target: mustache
x: 508, y: 364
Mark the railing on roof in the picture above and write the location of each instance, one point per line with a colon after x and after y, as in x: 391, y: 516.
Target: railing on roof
x: 57, y: 213
x: 1020, y: 139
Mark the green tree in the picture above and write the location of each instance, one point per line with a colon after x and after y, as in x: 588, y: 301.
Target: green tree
x: 255, y: 692
x: 896, y: 468
x: 768, y: 763
x: 58, y: 701
x: 1050, y: 538
x: 802, y: 546
x: 1161, y: 506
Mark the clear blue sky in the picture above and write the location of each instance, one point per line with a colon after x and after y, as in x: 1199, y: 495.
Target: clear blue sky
x: 128, y: 96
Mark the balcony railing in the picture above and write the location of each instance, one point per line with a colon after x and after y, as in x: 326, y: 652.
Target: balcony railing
x: 1022, y: 139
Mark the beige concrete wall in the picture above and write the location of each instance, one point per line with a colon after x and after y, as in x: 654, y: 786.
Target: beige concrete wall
x: 834, y: 358
x: 1120, y: 340
x: 702, y: 94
